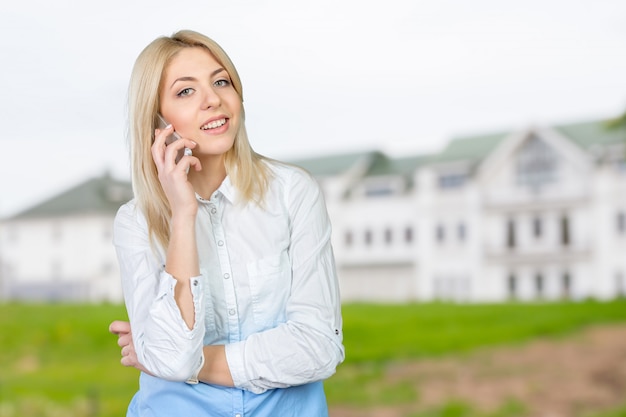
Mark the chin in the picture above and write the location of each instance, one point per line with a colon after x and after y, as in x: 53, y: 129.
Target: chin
x: 216, y: 149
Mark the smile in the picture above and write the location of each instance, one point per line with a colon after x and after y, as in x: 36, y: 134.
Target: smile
x: 214, y: 124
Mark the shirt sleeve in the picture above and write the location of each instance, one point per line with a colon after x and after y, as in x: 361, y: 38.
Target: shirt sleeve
x: 165, y: 346
x: 309, y: 345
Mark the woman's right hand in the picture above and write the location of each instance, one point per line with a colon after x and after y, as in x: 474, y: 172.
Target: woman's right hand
x: 172, y: 175
x: 125, y: 341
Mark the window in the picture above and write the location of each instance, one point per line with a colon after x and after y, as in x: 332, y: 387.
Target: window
x: 461, y: 232
x: 539, y: 284
x: 512, y: 286
x: 440, y: 233
x: 383, y: 186
x: 378, y: 190
x: 452, y: 180
x: 566, y: 285
x: 621, y: 222
x: 510, y: 234
x: 388, y: 236
x: 536, y: 163
x: 565, y: 235
x: 368, y: 237
x: 408, y: 234
x: 537, y: 227
x: 348, y: 238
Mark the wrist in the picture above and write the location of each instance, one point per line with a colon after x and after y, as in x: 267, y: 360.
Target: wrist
x: 183, y: 225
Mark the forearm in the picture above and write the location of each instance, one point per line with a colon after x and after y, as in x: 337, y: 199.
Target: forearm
x: 215, y: 369
x: 288, y: 355
x: 182, y: 263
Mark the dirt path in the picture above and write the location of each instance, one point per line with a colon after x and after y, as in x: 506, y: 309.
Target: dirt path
x: 551, y: 378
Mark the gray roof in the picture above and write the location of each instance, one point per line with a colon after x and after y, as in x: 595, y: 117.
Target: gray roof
x: 474, y: 148
x: 377, y: 163
x: 381, y: 164
x: 594, y: 133
x: 102, y: 195
x: 585, y: 135
x: 330, y: 165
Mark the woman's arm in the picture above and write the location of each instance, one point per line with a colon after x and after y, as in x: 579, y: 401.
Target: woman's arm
x: 165, y: 345
x: 182, y: 252
x: 163, y: 296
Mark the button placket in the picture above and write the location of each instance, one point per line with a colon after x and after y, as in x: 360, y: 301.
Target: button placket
x: 229, y: 286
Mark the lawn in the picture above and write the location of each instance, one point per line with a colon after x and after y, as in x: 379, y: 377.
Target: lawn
x: 60, y: 360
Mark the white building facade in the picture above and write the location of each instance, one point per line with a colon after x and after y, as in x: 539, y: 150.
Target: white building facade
x: 533, y: 215
x: 538, y: 214
x: 60, y: 250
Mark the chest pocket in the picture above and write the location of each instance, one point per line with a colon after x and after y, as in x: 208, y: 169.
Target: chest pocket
x: 270, y: 286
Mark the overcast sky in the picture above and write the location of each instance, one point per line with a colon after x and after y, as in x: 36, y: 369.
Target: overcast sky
x: 320, y: 77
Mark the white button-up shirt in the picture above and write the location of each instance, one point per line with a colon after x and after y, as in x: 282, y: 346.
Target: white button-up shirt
x: 267, y: 288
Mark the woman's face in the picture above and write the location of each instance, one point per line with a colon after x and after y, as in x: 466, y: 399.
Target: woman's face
x: 198, y: 99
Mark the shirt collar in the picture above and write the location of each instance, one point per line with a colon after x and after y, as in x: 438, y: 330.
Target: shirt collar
x: 226, y: 188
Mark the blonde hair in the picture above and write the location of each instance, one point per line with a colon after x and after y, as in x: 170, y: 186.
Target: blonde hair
x: 247, y: 170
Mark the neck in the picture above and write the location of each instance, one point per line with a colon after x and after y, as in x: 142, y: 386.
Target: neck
x: 207, y: 180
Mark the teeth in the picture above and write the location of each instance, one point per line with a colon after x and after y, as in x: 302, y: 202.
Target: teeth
x: 214, y: 124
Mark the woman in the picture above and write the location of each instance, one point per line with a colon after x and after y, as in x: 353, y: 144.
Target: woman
x: 225, y: 256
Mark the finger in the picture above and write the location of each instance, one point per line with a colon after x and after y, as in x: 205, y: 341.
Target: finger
x: 124, y: 340
x: 160, y: 135
x: 129, y: 357
x: 128, y: 350
x: 181, y: 147
x: 127, y: 361
x: 195, y: 163
x: 159, y: 146
x: 118, y: 326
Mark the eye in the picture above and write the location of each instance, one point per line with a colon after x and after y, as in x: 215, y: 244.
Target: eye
x: 185, y: 92
x: 222, y: 83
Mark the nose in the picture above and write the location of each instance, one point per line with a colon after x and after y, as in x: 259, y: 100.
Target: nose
x: 211, y: 98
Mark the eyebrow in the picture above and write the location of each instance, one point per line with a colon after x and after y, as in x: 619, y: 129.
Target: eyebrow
x: 188, y: 78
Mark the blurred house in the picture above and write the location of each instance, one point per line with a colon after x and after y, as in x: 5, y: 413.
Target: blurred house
x: 61, y: 249
x: 538, y: 214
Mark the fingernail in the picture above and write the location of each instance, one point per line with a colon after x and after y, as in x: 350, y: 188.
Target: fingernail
x: 168, y: 126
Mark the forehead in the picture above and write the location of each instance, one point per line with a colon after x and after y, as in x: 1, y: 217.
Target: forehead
x: 187, y: 61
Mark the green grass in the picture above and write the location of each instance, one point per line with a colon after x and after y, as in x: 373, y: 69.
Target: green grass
x: 378, y: 333
x: 60, y: 360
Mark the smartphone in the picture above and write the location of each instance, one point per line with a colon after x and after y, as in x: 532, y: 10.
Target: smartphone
x: 171, y: 138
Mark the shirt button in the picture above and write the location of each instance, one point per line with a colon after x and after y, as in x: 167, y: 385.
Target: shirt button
x: 220, y: 243
x: 226, y: 275
x: 195, y: 282
x: 232, y: 311
x: 213, y: 210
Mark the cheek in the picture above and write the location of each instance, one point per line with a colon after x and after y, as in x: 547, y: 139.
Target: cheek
x: 234, y: 103
x: 237, y: 110
x: 183, y: 123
